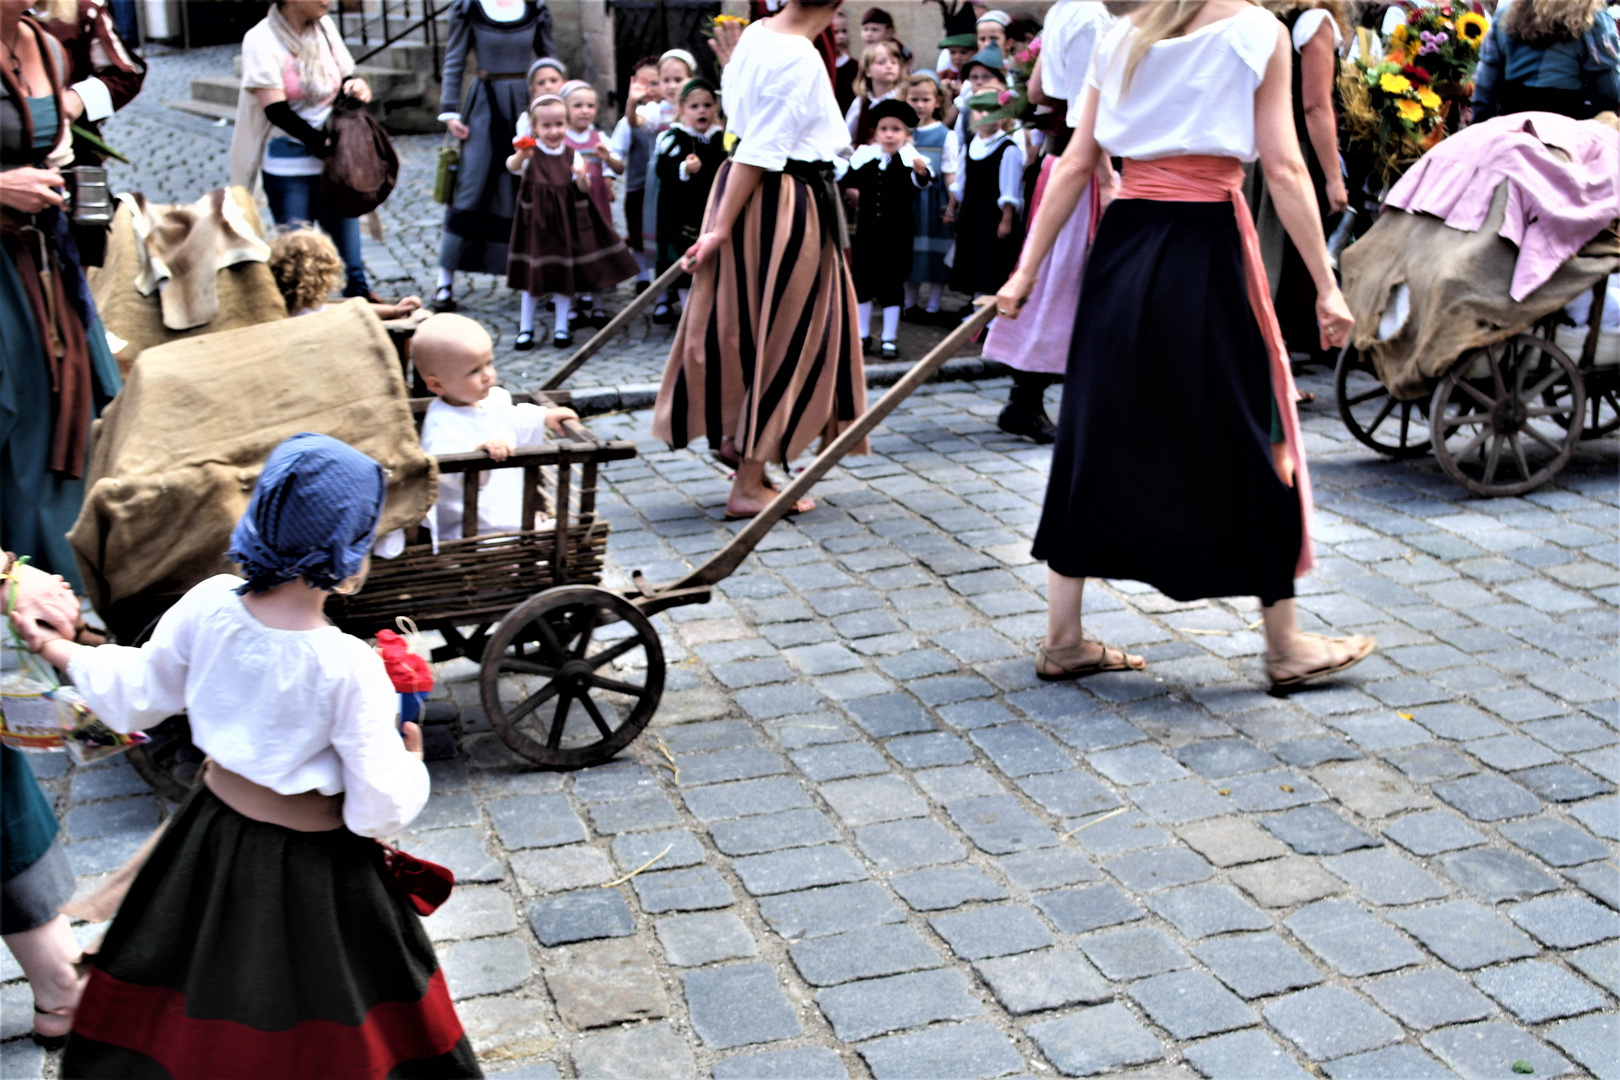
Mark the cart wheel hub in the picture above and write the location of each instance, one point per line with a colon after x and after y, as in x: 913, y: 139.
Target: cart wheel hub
x: 1510, y: 416
x: 576, y: 675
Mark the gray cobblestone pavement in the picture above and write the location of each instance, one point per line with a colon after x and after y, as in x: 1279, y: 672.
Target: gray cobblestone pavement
x: 890, y: 851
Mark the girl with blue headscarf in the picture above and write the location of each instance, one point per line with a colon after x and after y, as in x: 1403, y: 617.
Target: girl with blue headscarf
x: 265, y: 935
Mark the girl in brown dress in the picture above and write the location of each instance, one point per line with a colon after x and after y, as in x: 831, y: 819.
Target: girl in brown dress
x: 561, y: 243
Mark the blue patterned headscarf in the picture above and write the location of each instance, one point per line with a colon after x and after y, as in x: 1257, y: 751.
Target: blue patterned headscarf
x: 313, y: 515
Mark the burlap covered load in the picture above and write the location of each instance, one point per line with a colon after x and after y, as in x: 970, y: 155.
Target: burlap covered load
x: 1457, y: 283
x: 242, y: 293
x: 178, y: 451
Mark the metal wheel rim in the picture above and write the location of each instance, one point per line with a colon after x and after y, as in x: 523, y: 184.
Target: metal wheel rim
x: 1404, y: 419
x: 572, y: 679
x: 1473, y: 420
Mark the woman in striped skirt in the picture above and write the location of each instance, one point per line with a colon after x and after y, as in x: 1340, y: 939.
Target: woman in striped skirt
x: 768, y: 356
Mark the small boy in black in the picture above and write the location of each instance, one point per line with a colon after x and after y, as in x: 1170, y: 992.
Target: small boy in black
x: 882, y: 178
x: 687, y: 159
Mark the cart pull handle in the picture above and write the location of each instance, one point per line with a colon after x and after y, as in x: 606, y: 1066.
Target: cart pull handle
x: 728, y: 558
x: 599, y: 340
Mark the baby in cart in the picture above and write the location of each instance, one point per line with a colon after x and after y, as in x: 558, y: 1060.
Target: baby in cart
x: 456, y: 359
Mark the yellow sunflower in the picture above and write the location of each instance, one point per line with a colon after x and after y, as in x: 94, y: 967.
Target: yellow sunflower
x: 1472, y: 28
x: 1410, y: 110
x: 1398, y: 34
x: 1391, y: 83
x: 1430, y: 99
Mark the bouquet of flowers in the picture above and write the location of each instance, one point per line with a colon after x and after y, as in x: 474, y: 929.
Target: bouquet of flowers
x: 1012, y: 103
x: 1399, y: 106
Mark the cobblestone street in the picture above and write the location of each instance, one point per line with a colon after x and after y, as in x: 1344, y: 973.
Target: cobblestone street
x: 885, y: 849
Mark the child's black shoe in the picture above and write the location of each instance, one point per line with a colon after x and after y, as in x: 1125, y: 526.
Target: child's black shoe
x: 889, y: 351
x: 562, y: 339
x: 524, y: 341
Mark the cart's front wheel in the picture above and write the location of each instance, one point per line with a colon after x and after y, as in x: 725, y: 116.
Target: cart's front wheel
x: 571, y: 676
x: 1395, y: 428
x: 1492, y: 426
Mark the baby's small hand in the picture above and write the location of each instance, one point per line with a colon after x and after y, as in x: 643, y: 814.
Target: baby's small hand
x: 497, y: 450
x: 557, y: 414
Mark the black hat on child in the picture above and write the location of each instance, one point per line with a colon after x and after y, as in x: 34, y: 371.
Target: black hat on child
x: 893, y: 107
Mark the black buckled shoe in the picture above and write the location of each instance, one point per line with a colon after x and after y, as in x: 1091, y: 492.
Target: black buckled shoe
x: 524, y: 341
x: 1034, y: 425
x: 889, y: 351
x: 562, y: 339
x: 444, y: 299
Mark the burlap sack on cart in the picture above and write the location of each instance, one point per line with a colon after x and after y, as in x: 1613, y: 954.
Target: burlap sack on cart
x: 1457, y: 284
x: 177, y: 452
x: 246, y: 291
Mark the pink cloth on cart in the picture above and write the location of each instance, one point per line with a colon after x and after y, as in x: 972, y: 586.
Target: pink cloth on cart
x: 1039, y: 339
x: 1563, y: 186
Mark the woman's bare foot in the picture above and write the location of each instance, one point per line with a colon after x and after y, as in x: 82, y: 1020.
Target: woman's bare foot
x: 751, y: 492
x: 1312, y: 656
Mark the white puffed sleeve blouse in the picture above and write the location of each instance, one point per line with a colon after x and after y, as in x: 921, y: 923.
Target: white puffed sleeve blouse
x: 293, y: 710
x: 1192, y: 94
x: 779, y: 101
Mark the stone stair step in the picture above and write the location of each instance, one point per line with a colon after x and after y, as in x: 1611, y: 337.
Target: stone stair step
x: 216, y: 90
x: 208, y: 110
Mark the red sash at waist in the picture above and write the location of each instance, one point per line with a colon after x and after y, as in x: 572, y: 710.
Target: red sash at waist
x: 1203, y: 178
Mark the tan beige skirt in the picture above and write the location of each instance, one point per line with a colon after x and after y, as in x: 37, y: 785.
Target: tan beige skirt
x: 768, y: 350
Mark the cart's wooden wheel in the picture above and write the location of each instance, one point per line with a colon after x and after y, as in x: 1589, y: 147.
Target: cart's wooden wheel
x: 1602, y: 413
x: 1492, y: 429
x: 1374, y: 417
x: 571, y: 676
x: 169, y: 762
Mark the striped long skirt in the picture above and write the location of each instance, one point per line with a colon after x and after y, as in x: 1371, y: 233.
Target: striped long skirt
x: 768, y: 351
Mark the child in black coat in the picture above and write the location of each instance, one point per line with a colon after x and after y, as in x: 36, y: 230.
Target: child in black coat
x: 881, y: 183
x: 687, y: 160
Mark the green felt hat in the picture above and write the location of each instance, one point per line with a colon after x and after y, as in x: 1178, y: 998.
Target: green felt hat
x: 960, y: 41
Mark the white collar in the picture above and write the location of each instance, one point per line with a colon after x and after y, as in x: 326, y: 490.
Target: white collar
x: 871, y: 152
x: 544, y: 149
x: 700, y: 136
x: 577, y: 139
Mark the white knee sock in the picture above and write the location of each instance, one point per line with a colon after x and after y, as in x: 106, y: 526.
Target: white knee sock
x: 527, y: 303
x: 563, y: 305
x: 936, y: 291
x: 863, y: 316
x: 891, y: 322
x: 683, y: 294
x: 911, y: 294
x: 447, y: 278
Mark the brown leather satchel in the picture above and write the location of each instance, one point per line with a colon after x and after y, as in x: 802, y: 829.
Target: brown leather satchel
x: 362, y: 168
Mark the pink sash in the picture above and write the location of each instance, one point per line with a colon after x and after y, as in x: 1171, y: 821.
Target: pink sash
x: 1202, y: 178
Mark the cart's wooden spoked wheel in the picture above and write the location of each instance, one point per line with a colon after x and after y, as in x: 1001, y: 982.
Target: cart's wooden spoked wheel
x: 571, y: 676
x: 1492, y: 428
x: 1399, y: 429
x: 1602, y: 413
x: 169, y: 763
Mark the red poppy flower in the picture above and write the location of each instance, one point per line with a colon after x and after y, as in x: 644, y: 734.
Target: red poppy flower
x: 1417, y: 75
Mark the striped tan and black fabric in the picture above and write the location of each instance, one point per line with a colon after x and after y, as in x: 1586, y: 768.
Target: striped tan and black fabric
x: 768, y: 350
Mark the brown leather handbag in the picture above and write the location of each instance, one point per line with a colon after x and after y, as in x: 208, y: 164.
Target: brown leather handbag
x: 362, y: 169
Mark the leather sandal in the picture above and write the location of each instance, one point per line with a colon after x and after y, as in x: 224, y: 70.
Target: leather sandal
x: 1109, y: 659
x: 1361, y: 647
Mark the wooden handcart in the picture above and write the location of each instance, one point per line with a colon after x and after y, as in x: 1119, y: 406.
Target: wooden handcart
x: 570, y: 671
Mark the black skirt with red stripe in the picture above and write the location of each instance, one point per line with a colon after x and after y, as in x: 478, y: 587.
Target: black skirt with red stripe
x: 244, y: 949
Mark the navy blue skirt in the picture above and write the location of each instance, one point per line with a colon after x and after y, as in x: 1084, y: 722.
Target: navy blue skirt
x: 1162, y: 468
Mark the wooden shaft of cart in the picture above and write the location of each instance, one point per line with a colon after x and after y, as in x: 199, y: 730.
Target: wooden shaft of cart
x: 599, y: 340
x: 731, y: 556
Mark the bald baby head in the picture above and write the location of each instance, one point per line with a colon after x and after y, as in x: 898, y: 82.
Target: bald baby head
x: 455, y: 357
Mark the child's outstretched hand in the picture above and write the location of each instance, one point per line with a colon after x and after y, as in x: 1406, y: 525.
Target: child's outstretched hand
x: 920, y: 166
x: 557, y: 414
x: 603, y: 152
x: 497, y: 450
x: 693, y: 164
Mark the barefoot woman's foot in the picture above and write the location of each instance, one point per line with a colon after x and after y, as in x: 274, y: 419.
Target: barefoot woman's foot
x: 1313, y: 656
x: 739, y: 507
x: 1063, y: 663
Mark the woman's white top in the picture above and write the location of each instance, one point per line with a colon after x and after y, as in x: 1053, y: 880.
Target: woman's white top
x: 1009, y: 176
x: 1192, y: 94
x: 293, y: 710
x: 1068, y: 40
x: 779, y: 102
x: 1308, y: 25
x: 266, y: 64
